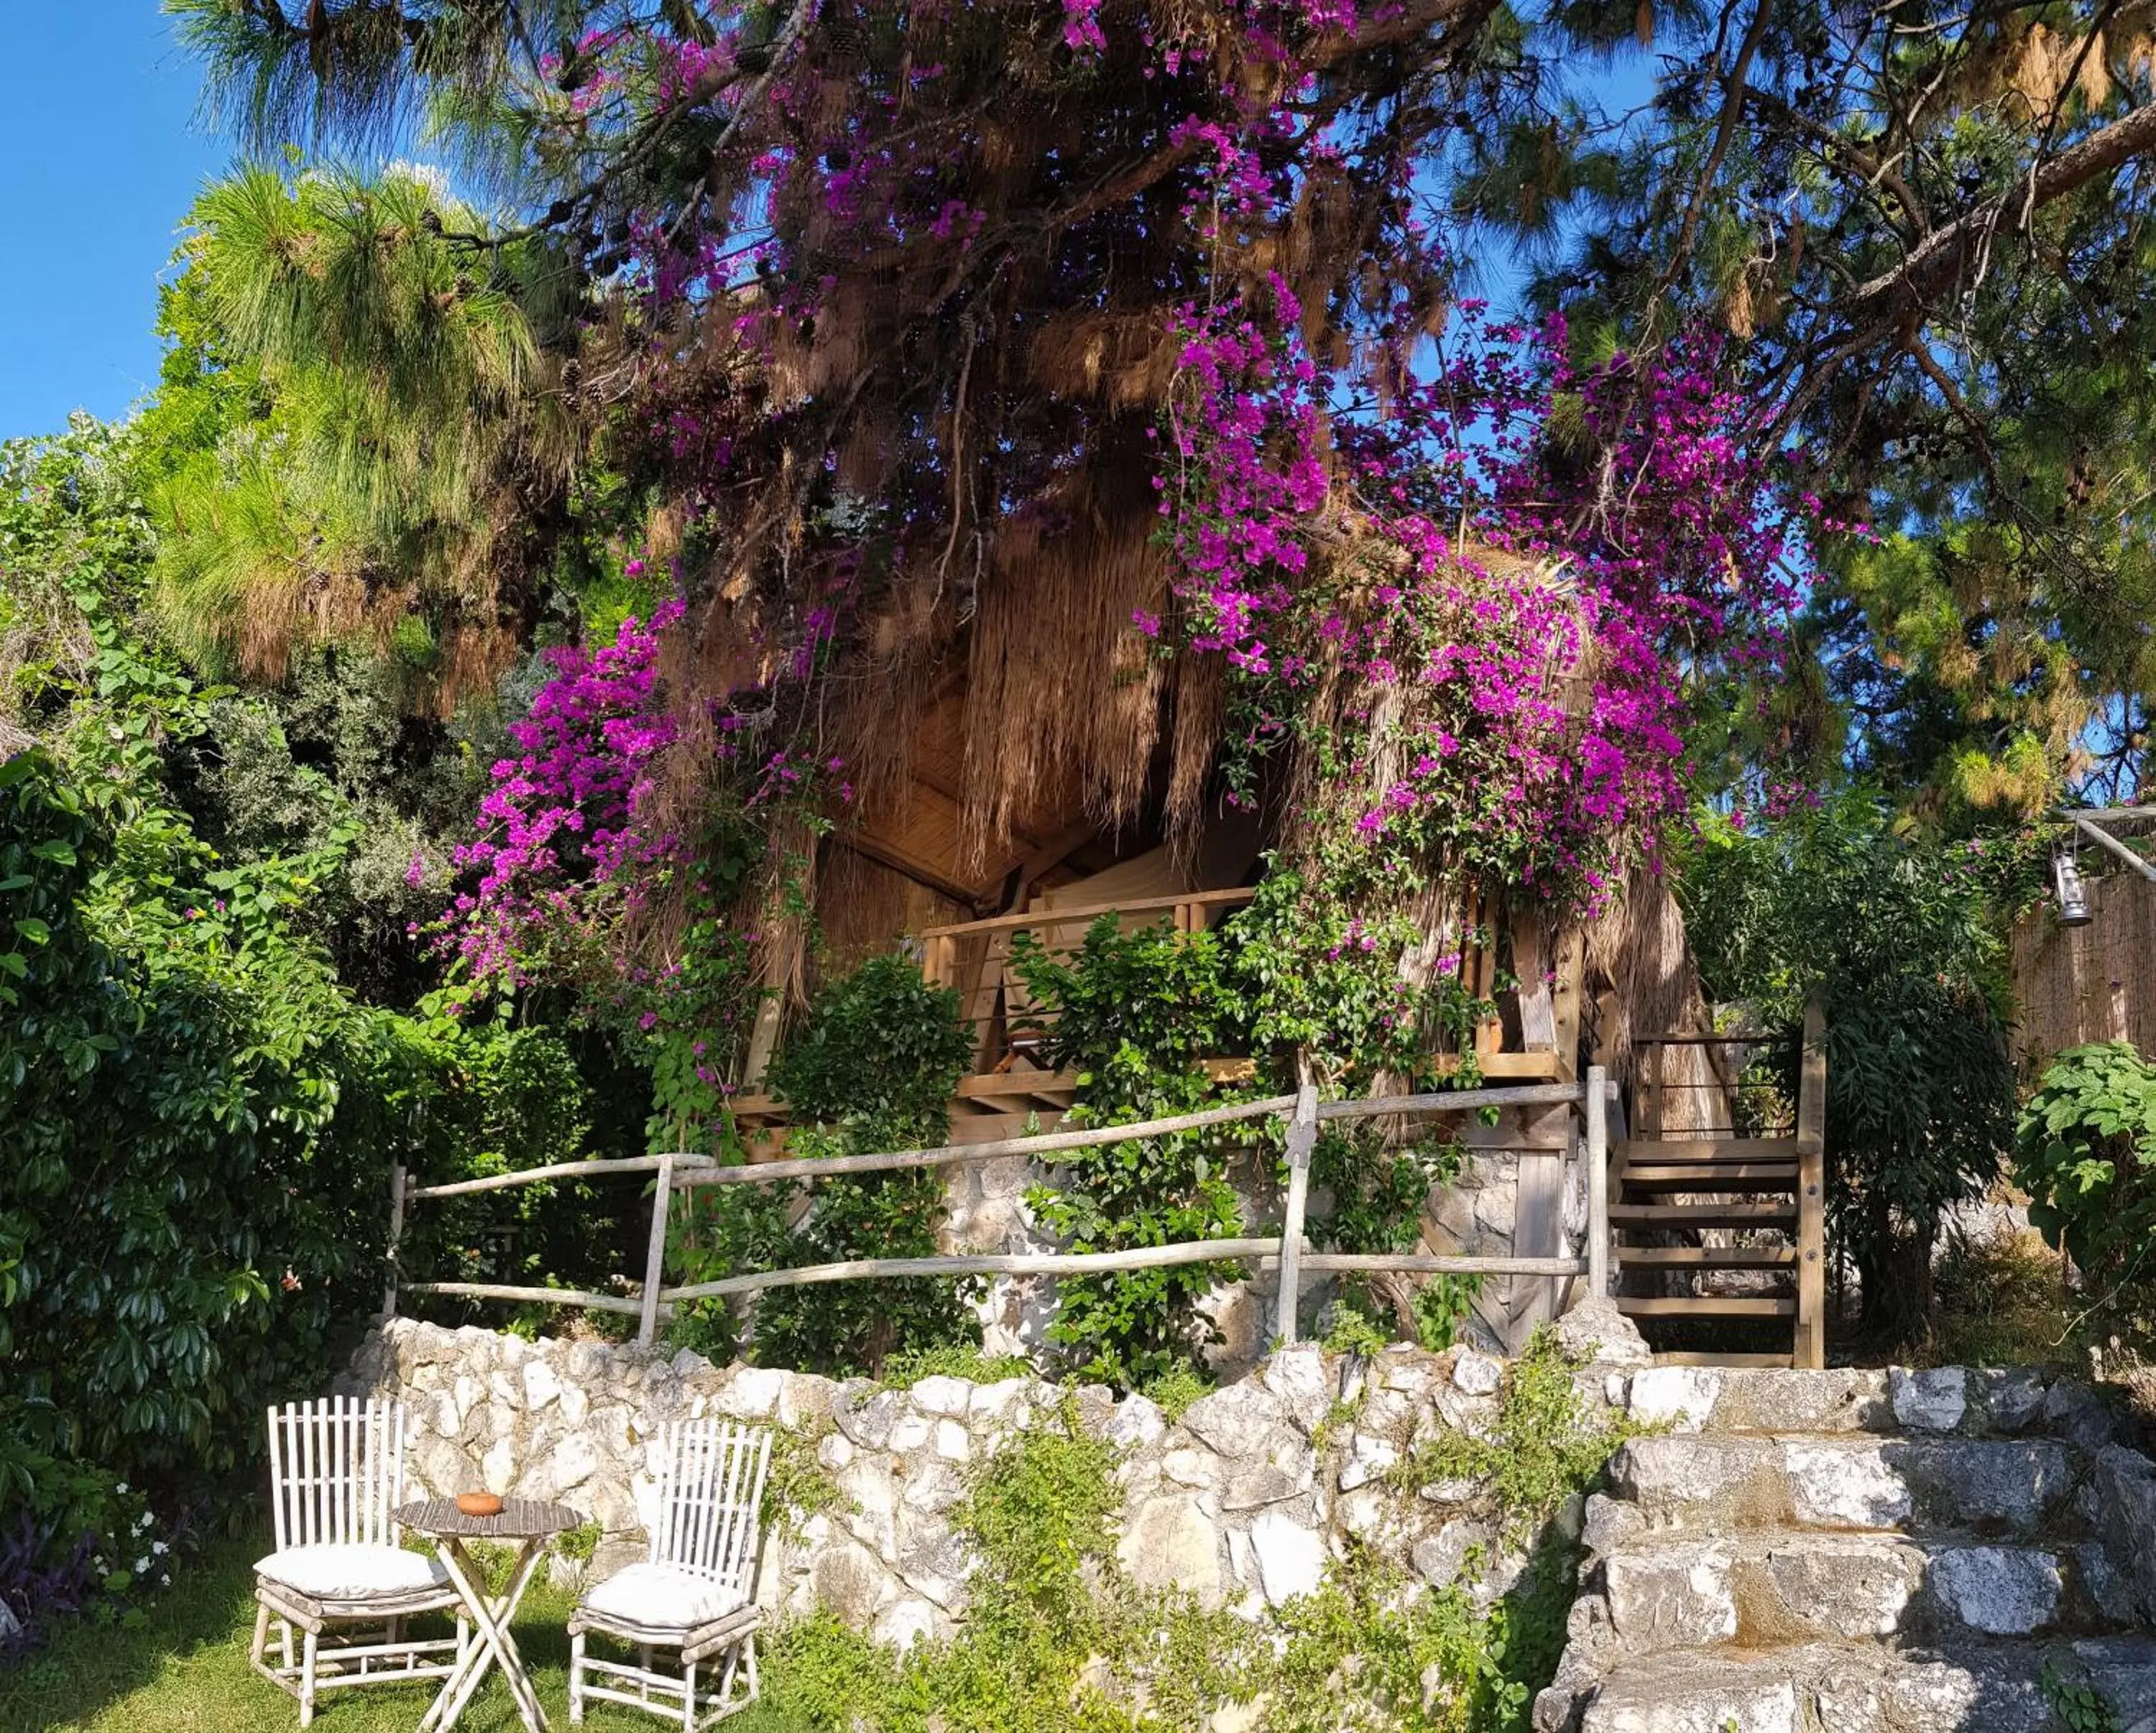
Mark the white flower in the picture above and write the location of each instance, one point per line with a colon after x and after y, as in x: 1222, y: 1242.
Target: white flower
x: 141, y: 1565
x: 158, y: 1548
x: 120, y: 1487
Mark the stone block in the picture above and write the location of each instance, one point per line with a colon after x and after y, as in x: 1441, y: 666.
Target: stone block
x: 1238, y: 1421
x: 1843, y: 1587
x: 1681, y: 1397
x: 1474, y: 1374
x: 2010, y: 1398
x: 866, y: 1414
x: 542, y: 1384
x: 1171, y: 1543
x: 905, y: 1622
x: 1932, y: 1401
x: 1672, y: 1596
x: 942, y: 1395
x: 1596, y: 1331
x: 1137, y: 1425
x: 1838, y: 1399
x: 752, y: 1393
x: 1297, y: 1376
x: 1999, y: 1591
x: 1290, y: 1557
x: 1832, y: 1486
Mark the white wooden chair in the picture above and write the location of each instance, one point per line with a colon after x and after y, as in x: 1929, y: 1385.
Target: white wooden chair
x: 338, y: 1575
x: 696, y: 1592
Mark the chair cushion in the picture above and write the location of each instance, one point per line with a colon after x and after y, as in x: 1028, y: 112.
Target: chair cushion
x: 352, y: 1571
x: 663, y: 1597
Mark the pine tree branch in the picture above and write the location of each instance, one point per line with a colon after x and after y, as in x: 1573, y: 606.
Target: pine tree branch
x: 1935, y: 263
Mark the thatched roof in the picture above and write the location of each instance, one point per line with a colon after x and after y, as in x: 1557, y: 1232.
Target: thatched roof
x: 14, y: 739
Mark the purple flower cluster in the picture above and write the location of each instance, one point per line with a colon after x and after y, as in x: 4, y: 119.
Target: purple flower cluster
x: 564, y: 814
x: 1543, y: 664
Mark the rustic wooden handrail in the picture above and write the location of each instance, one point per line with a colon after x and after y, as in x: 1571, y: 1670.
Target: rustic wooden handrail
x: 1285, y: 1251
x: 1086, y: 913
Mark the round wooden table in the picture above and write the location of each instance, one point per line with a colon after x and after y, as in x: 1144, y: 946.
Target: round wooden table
x: 529, y: 1524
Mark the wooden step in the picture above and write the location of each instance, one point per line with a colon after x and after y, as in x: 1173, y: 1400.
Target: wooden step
x: 1693, y: 1358
x: 1706, y: 1256
x: 1659, y: 1152
x: 1716, y: 1176
x: 1677, y: 1216
x: 1706, y: 1305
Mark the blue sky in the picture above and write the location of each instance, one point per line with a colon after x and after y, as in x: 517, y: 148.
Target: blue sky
x: 103, y: 160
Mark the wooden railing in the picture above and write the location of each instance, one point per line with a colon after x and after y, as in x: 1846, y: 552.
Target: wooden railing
x: 974, y: 957
x: 1287, y: 1252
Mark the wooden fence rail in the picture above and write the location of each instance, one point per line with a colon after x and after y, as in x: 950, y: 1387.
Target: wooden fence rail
x: 1286, y: 1252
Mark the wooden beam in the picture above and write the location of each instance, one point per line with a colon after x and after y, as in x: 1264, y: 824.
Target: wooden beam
x: 1056, y: 1264
x: 1810, y: 1348
x: 1434, y: 1263
x: 923, y: 873
x: 1706, y: 1305
x: 1091, y: 1138
x: 1301, y: 1137
x: 1542, y: 1094
x: 562, y: 1170
x: 1597, y: 1156
x: 1091, y: 912
x: 654, y: 1254
x: 579, y: 1297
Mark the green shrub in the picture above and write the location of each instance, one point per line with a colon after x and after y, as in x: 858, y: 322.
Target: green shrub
x: 2085, y: 1153
x: 871, y: 1068
x: 1133, y: 1014
x: 907, y: 1366
x: 1545, y: 1444
x: 1895, y: 935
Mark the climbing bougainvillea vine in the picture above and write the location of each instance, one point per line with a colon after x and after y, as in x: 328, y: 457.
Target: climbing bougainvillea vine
x: 1522, y: 634
x: 561, y: 820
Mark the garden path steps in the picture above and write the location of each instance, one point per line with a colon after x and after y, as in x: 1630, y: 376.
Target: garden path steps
x: 1851, y: 1551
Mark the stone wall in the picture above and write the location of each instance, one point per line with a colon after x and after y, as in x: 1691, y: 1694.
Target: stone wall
x: 1243, y: 1501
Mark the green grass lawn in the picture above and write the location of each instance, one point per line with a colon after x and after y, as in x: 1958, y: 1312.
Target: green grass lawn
x: 186, y: 1668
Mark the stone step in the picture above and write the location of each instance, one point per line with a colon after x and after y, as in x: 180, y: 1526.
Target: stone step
x: 2009, y: 1402
x: 1754, y: 1590
x: 1992, y: 1487
x: 1833, y: 1688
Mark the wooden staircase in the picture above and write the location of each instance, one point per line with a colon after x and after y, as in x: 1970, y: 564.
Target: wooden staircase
x: 1723, y: 1232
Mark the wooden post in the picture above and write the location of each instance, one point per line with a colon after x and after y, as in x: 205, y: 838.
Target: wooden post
x: 1810, y: 1346
x: 1571, y: 965
x: 1302, y: 1136
x: 654, y: 1258
x: 1651, y: 1089
x: 1597, y: 1104
x: 396, y: 1235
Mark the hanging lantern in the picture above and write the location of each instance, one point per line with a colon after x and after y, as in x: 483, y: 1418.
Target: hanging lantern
x: 2073, y: 895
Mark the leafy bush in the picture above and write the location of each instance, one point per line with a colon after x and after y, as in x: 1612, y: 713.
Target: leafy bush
x: 1133, y: 1013
x: 2085, y: 1153
x: 871, y: 1068
x: 1893, y: 934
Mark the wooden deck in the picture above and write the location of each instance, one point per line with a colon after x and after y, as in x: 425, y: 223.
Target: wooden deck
x: 1011, y: 1092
